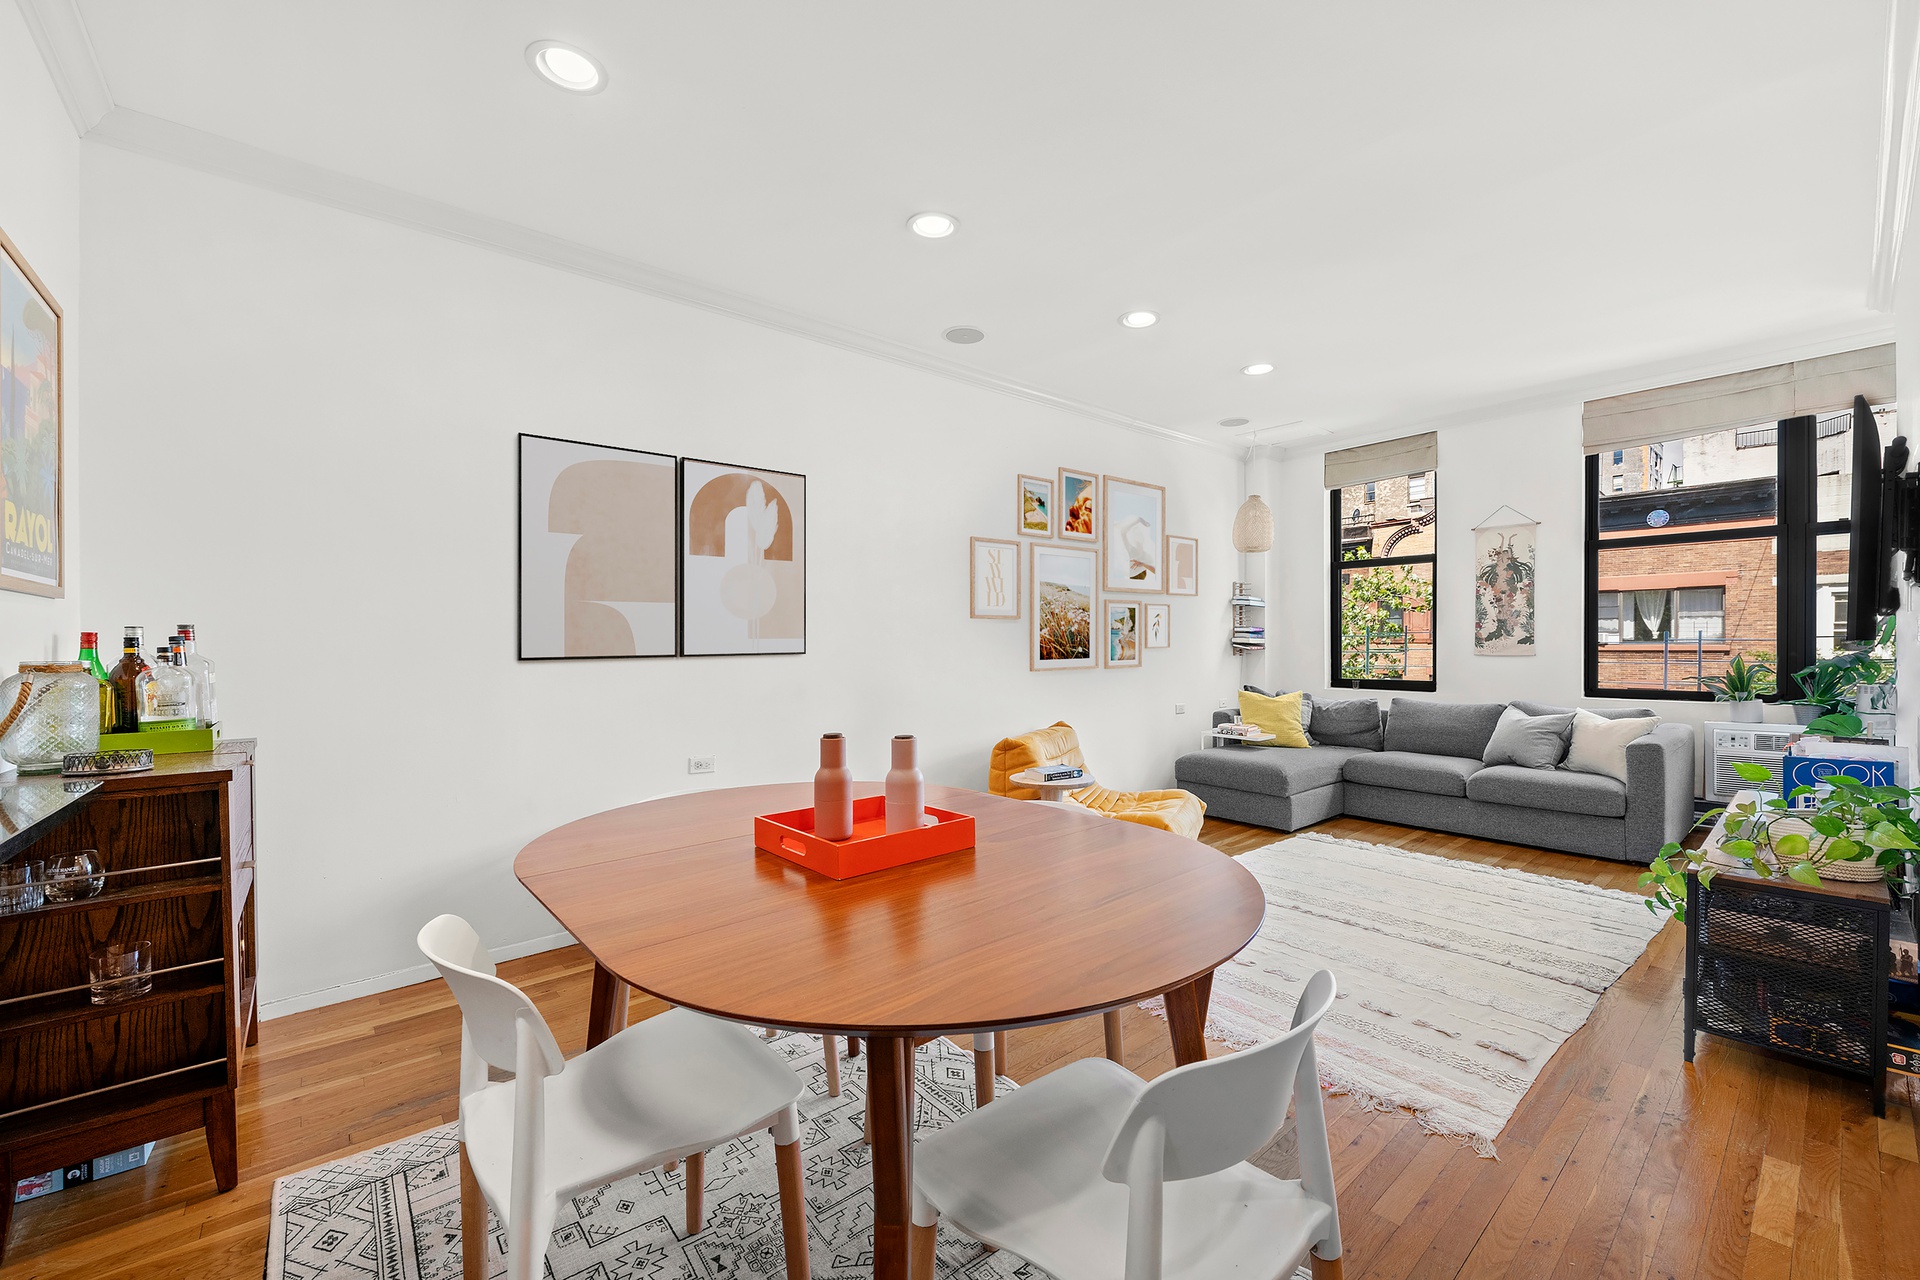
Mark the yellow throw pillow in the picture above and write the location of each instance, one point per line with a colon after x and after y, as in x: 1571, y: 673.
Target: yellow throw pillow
x: 1278, y: 716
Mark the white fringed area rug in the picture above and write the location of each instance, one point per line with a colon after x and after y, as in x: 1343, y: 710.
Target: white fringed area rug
x: 1457, y: 980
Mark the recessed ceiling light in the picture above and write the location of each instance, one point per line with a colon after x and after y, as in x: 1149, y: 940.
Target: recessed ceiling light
x: 933, y: 226
x: 1140, y: 319
x: 963, y: 334
x: 1255, y: 370
x: 566, y: 66
x: 1233, y: 422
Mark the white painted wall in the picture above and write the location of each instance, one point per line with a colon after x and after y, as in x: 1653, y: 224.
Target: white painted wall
x: 325, y: 407
x: 1529, y: 460
x: 40, y: 212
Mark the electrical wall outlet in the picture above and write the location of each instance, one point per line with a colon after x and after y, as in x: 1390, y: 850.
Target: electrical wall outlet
x: 1179, y: 708
x: 1227, y: 704
x: 699, y: 764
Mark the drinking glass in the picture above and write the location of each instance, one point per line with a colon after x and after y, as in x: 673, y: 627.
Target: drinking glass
x: 73, y: 876
x: 22, y: 886
x: 120, y: 971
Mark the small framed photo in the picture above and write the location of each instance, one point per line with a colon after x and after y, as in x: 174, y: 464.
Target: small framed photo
x: 1036, y: 507
x: 1122, y: 632
x: 1183, y: 566
x: 1079, y: 506
x: 995, y: 566
x: 1875, y: 699
x: 1159, y: 626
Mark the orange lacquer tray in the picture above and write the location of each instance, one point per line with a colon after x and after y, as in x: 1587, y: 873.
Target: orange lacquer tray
x: 790, y: 835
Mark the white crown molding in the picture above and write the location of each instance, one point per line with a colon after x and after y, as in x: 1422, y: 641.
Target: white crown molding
x: 1899, y: 149
x: 1570, y: 393
x: 180, y: 144
x: 60, y: 33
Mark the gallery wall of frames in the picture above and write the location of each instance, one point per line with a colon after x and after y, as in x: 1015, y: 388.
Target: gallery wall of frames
x: 1086, y: 548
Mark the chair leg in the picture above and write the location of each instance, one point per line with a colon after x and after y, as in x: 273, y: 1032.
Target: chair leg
x: 999, y: 1053
x: 793, y: 1195
x: 1116, y: 1041
x: 473, y: 1223
x: 1325, y: 1268
x: 921, y: 1235
x: 853, y: 1046
x: 831, y: 1046
x: 696, y: 1190
x: 982, y: 1069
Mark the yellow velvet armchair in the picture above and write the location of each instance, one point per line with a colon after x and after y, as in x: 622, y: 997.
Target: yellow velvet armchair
x: 1177, y: 811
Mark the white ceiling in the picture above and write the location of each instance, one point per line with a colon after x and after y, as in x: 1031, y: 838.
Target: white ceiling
x: 1402, y: 206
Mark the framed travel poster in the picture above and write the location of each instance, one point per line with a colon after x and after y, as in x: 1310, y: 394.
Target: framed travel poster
x: 597, y: 551
x: 1133, y: 517
x: 1035, y: 511
x: 32, y: 431
x: 1079, y: 494
x: 995, y: 566
x: 743, y: 559
x: 1183, y: 566
x: 1159, y: 626
x: 1061, y: 586
x: 1122, y: 633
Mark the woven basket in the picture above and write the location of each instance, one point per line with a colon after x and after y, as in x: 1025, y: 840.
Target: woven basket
x: 1863, y: 871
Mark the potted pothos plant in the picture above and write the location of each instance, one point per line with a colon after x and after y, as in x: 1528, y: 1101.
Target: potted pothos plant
x: 1848, y: 824
x: 1826, y: 687
x: 1741, y: 687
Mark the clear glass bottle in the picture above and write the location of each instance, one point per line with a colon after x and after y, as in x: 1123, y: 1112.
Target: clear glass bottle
x: 166, y: 693
x: 200, y: 667
x: 90, y: 659
x: 124, y: 677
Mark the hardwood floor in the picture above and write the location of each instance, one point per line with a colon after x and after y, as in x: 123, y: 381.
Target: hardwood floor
x: 1622, y: 1161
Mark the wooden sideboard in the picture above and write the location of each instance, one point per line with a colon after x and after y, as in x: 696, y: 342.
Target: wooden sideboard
x: 79, y: 1080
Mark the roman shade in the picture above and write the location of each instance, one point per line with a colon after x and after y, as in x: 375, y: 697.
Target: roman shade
x: 1824, y: 384
x: 1407, y: 456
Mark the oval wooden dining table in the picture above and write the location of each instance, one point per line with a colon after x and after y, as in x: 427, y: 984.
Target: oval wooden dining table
x: 1053, y: 914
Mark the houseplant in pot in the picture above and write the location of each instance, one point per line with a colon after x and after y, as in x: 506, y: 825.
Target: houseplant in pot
x: 1850, y: 831
x: 1826, y: 687
x: 1741, y: 688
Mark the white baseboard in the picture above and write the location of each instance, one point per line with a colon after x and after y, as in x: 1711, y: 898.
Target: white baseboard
x: 397, y: 978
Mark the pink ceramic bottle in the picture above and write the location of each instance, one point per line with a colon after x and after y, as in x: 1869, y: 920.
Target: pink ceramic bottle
x: 906, y: 789
x: 833, y: 790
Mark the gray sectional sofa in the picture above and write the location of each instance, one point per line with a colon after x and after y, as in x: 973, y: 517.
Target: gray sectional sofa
x: 1426, y: 771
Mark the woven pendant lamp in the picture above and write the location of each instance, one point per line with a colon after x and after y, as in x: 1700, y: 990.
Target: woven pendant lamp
x: 1253, y: 525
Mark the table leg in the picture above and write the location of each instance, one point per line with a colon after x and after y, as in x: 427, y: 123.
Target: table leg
x: 1187, y: 1019
x: 608, y: 1015
x: 890, y: 1091
x: 1116, y: 1038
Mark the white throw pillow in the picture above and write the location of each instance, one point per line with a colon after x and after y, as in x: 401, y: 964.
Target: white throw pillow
x: 1600, y: 745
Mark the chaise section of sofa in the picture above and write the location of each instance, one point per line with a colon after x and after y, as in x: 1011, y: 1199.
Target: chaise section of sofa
x: 1430, y: 774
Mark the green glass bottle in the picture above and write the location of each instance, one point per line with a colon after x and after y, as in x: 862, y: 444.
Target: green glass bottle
x: 90, y: 659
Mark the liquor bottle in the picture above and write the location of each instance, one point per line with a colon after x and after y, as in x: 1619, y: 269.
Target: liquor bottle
x: 90, y: 659
x: 166, y: 693
x: 200, y: 667
x: 906, y: 789
x: 833, y: 790
x: 123, y: 677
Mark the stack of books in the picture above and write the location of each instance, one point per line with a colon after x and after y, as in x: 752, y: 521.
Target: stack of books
x: 1903, y: 995
x: 1061, y: 772
x: 1250, y: 637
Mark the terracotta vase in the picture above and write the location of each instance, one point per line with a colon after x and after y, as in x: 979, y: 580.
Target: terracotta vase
x: 833, y: 790
x: 906, y: 789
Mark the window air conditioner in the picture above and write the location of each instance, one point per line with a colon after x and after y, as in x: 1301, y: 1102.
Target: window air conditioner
x: 1761, y: 744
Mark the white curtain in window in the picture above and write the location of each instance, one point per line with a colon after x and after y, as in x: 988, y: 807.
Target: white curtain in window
x: 1700, y: 613
x: 1650, y: 614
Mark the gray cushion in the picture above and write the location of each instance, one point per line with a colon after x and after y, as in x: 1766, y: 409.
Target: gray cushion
x: 1610, y: 713
x: 1532, y: 742
x: 1553, y: 789
x: 1412, y: 771
x: 1442, y: 728
x: 1348, y: 722
x: 1306, y: 708
x: 1268, y: 772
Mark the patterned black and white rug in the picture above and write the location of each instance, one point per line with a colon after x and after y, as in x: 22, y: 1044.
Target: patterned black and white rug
x: 393, y: 1213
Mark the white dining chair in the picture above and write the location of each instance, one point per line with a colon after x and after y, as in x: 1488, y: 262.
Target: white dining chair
x: 669, y: 1088
x: 1091, y: 1173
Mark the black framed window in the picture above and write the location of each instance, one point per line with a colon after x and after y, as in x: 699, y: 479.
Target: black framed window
x: 1382, y: 582
x: 1729, y: 542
